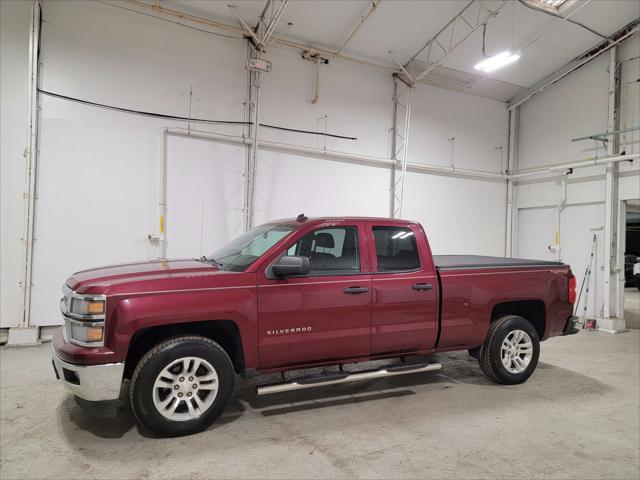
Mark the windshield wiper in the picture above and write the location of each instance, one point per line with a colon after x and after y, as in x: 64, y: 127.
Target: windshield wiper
x: 211, y: 261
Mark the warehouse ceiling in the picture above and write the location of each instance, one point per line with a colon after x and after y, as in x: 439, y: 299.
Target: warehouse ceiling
x: 403, y: 26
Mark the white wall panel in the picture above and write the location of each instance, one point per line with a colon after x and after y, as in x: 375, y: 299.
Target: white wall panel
x: 96, y: 196
x: 478, y: 126
x: 357, y: 103
x: 14, y: 97
x: 106, y: 54
x: 580, y: 223
x: 459, y: 215
x: 204, y: 195
x: 574, y: 107
x: 287, y: 185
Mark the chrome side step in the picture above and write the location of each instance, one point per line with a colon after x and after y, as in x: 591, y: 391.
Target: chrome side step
x: 335, y: 378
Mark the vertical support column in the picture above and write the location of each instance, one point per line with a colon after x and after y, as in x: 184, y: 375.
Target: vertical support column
x: 400, y: 143
x: 511, y: 231
x: 611, y: 322
x: 252, y: 154
x: 392, y: 152
x: 162, y: 203
x: 25, y: 334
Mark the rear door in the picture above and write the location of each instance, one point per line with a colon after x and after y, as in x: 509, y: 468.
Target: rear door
x: 405, y: 289
x: 324, y: 315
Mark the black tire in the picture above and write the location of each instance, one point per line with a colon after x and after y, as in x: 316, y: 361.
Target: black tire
x: 153, y: 363
x: 491, y: 354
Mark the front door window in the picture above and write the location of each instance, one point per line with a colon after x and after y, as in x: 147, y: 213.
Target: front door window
x: 331, y: 251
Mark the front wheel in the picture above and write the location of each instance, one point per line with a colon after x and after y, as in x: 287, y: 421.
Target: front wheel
x: 511, y: 350
x: 182, y: 385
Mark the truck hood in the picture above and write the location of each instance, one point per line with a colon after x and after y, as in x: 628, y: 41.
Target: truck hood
x: 158, y: 272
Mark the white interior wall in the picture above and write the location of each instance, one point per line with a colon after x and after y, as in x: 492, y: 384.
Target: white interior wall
x: 99, y: 169
x: 574, y: 107
x: 204, y: 195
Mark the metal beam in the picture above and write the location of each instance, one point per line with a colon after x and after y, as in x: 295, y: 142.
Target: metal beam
x: 400, y: 143
x: 511, y: 231
x: 446, y: 39
x: 603, y: 136
x: 240, y: 30
x: 574, y: 64
x: 251, y: 163
x: 261, y: 35
x: 355, y: 29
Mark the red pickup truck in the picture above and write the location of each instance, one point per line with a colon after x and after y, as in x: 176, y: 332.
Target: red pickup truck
x: 294, y: 294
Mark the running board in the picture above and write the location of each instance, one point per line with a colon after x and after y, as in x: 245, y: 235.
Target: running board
x: 334, y: 378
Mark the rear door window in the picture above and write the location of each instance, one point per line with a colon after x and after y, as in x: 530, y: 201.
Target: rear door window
x: 396, y: 249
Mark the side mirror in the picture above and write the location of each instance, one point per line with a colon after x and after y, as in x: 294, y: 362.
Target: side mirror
x: 291, y: 265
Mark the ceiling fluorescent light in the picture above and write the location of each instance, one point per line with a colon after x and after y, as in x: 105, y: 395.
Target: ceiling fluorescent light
x: 550, y: 5
x: 497, y: 61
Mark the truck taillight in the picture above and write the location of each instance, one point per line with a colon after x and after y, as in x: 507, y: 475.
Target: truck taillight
x: 572, y: 289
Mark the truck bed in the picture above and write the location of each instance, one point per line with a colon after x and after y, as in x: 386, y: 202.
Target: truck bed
x: 452, y: 262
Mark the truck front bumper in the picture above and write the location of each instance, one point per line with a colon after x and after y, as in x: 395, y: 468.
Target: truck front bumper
x: 90, y: 382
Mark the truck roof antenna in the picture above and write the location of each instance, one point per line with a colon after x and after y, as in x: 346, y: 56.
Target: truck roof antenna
x: 301, y: 218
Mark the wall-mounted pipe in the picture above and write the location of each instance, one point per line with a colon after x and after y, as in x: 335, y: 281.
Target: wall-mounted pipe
x: 559, y: 207
x: 355, y: 29
x: 560, y: 169
x: 162, y: 201
x: 337, y: 155
x: 316, y: 96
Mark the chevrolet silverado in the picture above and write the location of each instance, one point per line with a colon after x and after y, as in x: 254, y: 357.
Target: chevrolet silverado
x: 294, y: 294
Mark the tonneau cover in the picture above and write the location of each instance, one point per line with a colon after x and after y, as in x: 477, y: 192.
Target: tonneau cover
x: 444, y: 262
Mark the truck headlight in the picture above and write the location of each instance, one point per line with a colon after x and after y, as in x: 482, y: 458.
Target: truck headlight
x: 84, y: 317
x: 87, y: 306
x: 87, y: 333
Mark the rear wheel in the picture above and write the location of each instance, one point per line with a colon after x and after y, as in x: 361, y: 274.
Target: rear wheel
x: 181, y: 386
x: 511, y: 350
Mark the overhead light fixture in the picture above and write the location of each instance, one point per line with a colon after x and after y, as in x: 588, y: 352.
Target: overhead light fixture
x: 553, y: 6
x: 497, y: 61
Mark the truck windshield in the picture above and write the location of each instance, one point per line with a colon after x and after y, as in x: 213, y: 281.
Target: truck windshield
x: 238, y: 254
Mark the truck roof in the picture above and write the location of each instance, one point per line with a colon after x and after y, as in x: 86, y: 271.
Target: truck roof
x: 343, y: 219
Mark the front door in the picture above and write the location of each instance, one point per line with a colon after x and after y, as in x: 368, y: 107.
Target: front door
x: 405, y: 291
x: 324, y: 315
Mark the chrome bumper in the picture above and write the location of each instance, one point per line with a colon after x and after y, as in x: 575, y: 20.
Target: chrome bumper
x: 90, y: 382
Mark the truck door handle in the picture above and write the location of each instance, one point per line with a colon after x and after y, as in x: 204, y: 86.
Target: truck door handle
x: 422, y: 286
x: 355, y: 290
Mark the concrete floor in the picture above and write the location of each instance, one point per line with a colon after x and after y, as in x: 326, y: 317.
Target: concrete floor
x: 577, y: 417
x: 632, y: 307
